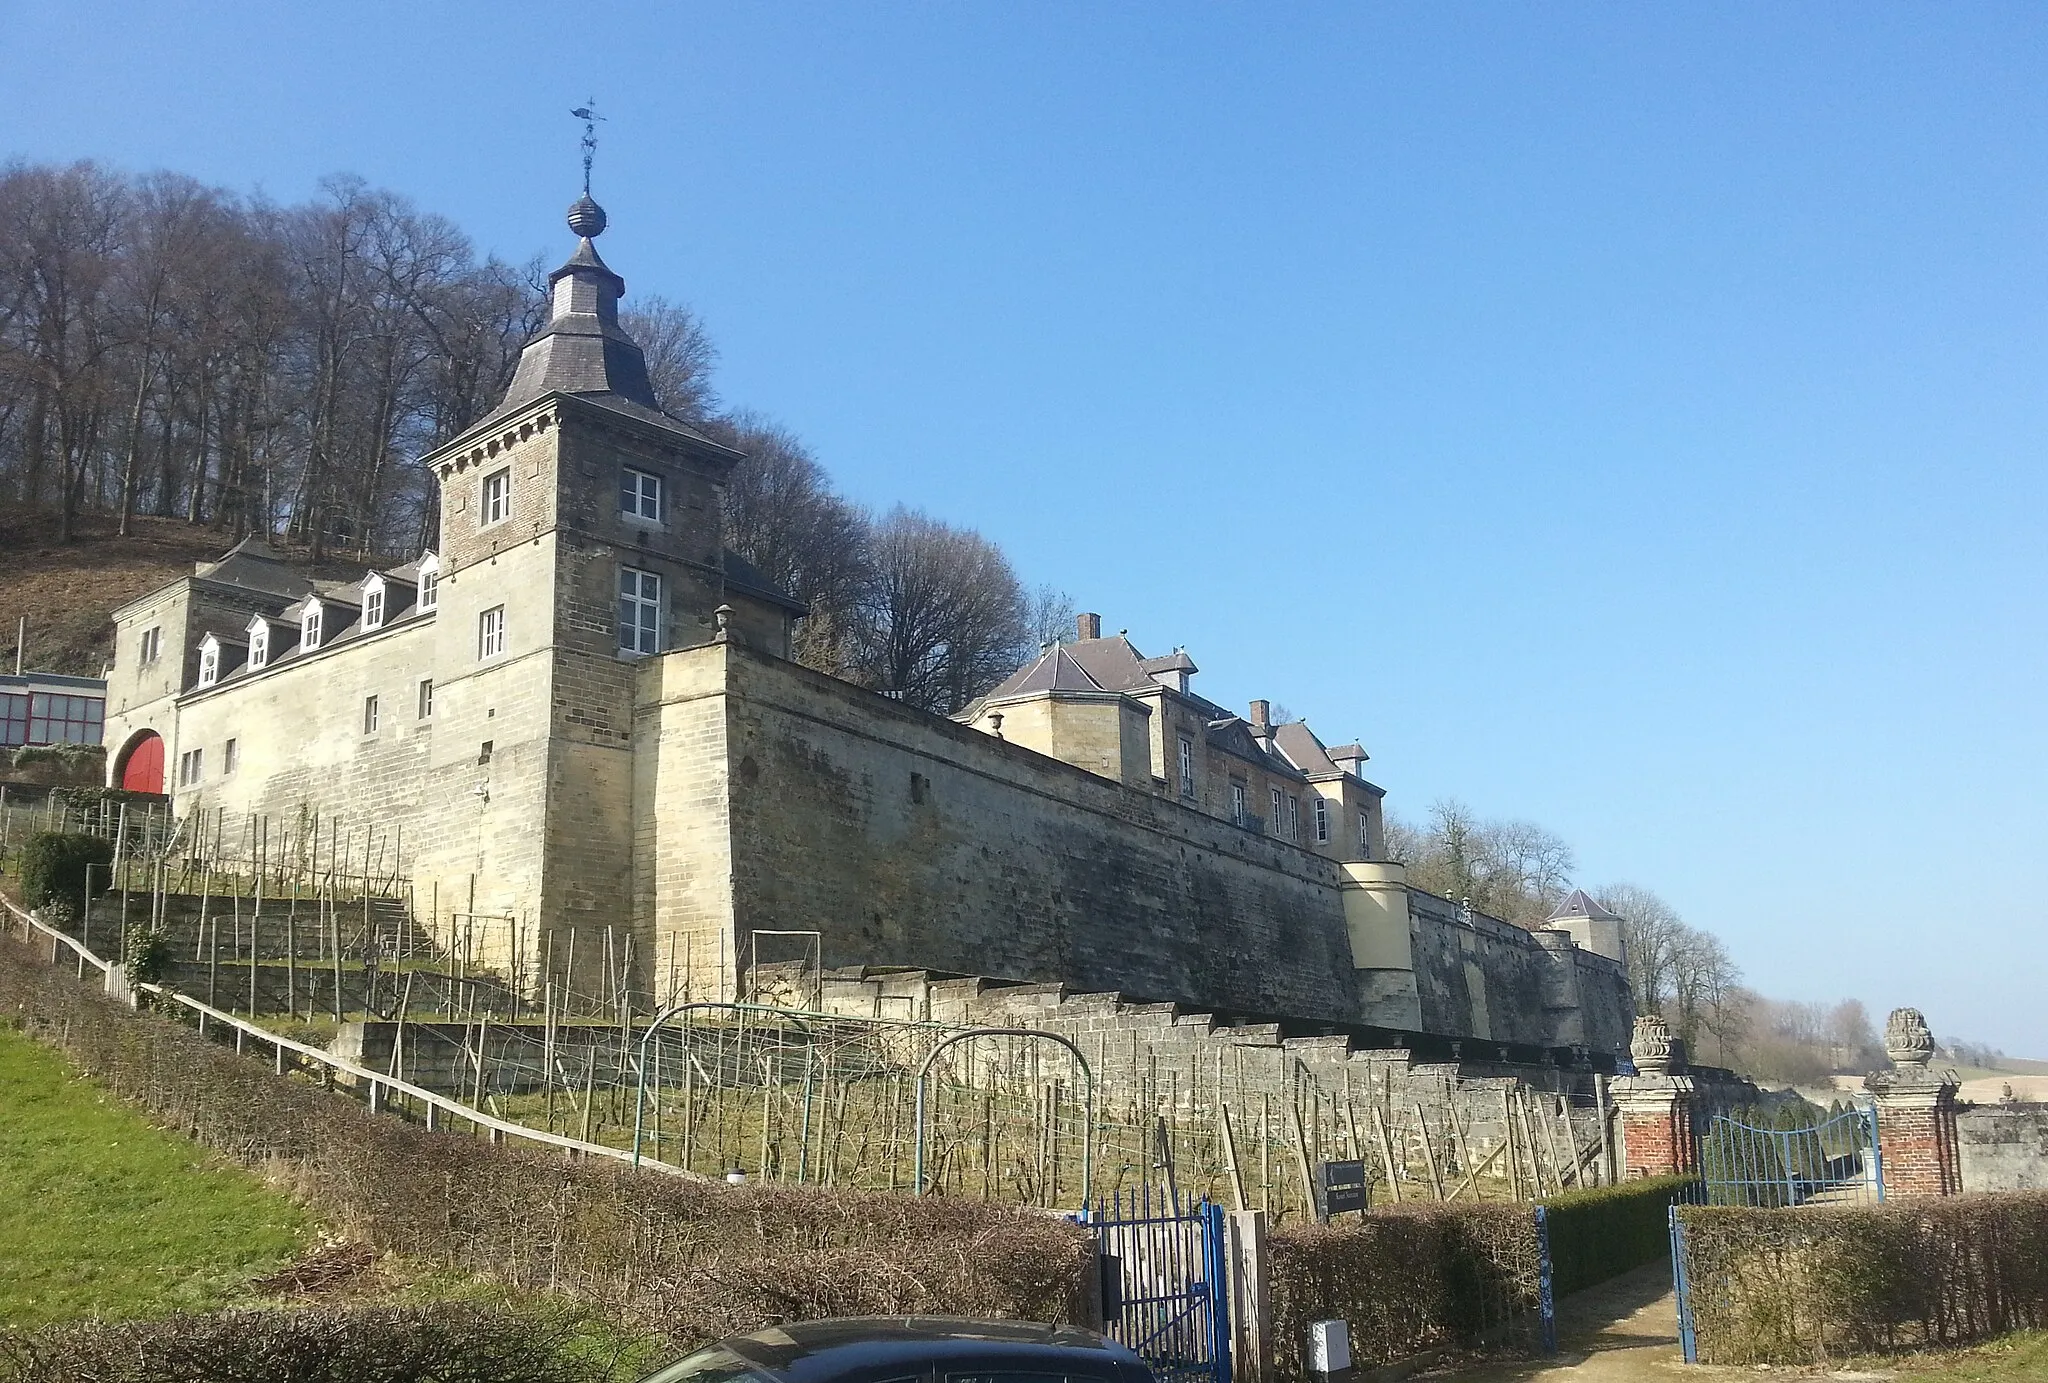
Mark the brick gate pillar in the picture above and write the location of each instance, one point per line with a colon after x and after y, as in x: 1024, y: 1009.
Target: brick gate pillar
x: 1658, y: 1137
x: 1916, y: 1112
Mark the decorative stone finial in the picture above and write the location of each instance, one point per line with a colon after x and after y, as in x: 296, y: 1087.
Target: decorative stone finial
x: 1650, y: 1046
x: 723, y: 614
x: 586, y: 217
x: 1907, y: 1040
x: 995, y: 723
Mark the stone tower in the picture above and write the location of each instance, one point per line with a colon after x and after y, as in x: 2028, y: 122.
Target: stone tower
x: 579, y: 533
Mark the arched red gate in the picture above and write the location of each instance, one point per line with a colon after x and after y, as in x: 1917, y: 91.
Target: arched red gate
x: 143, y: 769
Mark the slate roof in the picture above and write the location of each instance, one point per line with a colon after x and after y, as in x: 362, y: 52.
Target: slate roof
x: 1304, y: 750
x: 742, y: 575
x: 1578, y: 903
x: 582, y: 350
x: 1089, y: 665
x: 252, y: 565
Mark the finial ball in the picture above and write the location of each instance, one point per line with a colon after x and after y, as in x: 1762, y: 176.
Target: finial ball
x: 586, y: 218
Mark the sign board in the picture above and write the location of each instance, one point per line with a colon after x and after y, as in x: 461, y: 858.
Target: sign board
x: 1344, y: 1187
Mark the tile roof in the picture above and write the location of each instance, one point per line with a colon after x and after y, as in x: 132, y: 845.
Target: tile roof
x: 1578, y: 903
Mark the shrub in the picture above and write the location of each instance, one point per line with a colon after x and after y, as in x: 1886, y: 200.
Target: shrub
x: 1805, y: 1285
x: 419, y: 1344
x: 54, y: 867
x: 690, y: 1258
x: 1406, y: 1279
x: 1604, y: 1231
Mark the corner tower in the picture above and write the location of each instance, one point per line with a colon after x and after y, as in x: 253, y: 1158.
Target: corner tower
x: 579, y: 533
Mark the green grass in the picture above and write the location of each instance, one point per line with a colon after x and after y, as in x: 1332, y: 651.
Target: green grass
x: 2021, y: 1357
x: 103, y: 1215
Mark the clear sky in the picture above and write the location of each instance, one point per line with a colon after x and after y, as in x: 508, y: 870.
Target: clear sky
x: 1624, y: 417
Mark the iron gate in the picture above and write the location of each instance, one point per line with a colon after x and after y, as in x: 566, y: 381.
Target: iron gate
x: 1832, y: 1161
x: 1165, y: 1282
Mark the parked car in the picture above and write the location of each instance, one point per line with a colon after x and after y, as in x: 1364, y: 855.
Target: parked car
x: 899, y: 1349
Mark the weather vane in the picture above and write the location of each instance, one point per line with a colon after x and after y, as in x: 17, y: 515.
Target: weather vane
x: 587, y: 113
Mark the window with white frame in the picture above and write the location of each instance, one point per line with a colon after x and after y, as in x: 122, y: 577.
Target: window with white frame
x: 1322, y: 814
x: 370, y: 714
x: 490, y: 632
x: 640, y: 495
x: 426, y: 701
x: 259, y: 642
x: 152, y: 644
x: 1365, y: 833
x: 497, y: 505
x: 1237, y: 803
x: 309, y: 627
x: 1293, y: 817
x: 639, y: 611
x: 230, y: 755
x: 1273, y: 821
x: 1187, y: 767
x: 430, y: 582
x: 373, y: 603
x: 209, y: 661
x: 191, y: 767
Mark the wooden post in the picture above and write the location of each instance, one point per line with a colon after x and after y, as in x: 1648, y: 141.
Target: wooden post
x: 1436, y: 1180
x: 1379, y: 1124
x: 1230, y: 1156
x: 1251, y: 1309
x: 1308, y: 1180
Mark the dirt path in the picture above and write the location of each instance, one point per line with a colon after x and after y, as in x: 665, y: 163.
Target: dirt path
x: 1619, y: 1332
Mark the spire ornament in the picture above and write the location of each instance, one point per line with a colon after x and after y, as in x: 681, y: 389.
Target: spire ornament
x: 586, y: 217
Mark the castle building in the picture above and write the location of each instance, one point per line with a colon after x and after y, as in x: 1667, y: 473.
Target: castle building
x: 578, y: 712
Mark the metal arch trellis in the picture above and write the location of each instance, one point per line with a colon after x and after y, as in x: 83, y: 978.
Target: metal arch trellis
x: 1088, y: 1101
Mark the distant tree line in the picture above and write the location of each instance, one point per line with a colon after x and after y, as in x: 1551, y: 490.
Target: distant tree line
x: 1519, y: 872
x: 176, y: 350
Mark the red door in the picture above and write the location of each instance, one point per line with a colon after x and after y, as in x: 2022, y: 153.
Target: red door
x: 144, y: 771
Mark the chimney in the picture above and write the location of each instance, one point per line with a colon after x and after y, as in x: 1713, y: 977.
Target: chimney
x: 1262, y: 718
x: 1089, y: 626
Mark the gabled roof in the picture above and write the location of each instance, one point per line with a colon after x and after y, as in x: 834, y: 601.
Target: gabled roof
x: 1233, y: 735
x: 252, y: 565
x: 1578, y: 903
x: 742, y: 575
x: 1302, y: 749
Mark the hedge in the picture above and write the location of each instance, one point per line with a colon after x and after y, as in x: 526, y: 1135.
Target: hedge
x: 1406, y: 1279
x: 322, y: 1344
x: 1604, y: 1231
x: 686, y: 1258
x: 1815, y: 1283
x: 54, y: 867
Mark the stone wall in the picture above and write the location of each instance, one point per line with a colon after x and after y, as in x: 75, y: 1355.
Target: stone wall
x: 2004, y: 1147
x: 902, y: 839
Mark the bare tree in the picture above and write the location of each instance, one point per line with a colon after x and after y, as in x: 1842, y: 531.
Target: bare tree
x: 1049, y: 616
x: 680, y: 355
x: 947, y: 621
x: 1513, y: 870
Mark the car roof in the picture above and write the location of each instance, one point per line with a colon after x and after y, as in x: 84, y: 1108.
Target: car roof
x: 811, y: 1351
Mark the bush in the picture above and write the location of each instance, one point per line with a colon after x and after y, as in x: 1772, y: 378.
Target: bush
x: 421, y: 1344
x: 1814, y: 1283
x: 689, y: 1258
x: 54, y: 867
x: 1604, y: 1231
x: 1406, y: 1279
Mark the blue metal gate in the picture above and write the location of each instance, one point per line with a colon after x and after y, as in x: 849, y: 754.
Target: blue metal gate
x: 1832, y: 1161
x: 1166, y: 1282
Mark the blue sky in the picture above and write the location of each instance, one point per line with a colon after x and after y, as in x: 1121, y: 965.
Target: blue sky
x: 1627, y: 418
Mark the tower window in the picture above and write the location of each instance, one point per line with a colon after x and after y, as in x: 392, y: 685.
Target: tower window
x: 1187, y: 767
x: 152, y: 644
x: 426, y: 702
x: 640, y: 495
x: 230, y: 755
x: 1322, y: 822
x: 639, y: 611
x: 1364, y: 833
x: 497, y: 505
x: 370, y: 715
x: 490, y: 632
x: 1275, y: 822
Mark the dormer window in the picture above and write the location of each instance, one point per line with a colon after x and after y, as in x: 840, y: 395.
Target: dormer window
x: 259, y: 642
x: 309, y: 628
x: 430, y: 582
x: 209, y: 661
x: 373, y: 603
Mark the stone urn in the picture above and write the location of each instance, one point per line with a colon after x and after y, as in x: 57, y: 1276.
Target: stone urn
x: 1907, y: 1040
x: 1650, y: 1046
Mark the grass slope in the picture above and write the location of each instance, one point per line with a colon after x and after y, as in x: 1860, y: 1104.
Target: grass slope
x: 103, y: 1215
